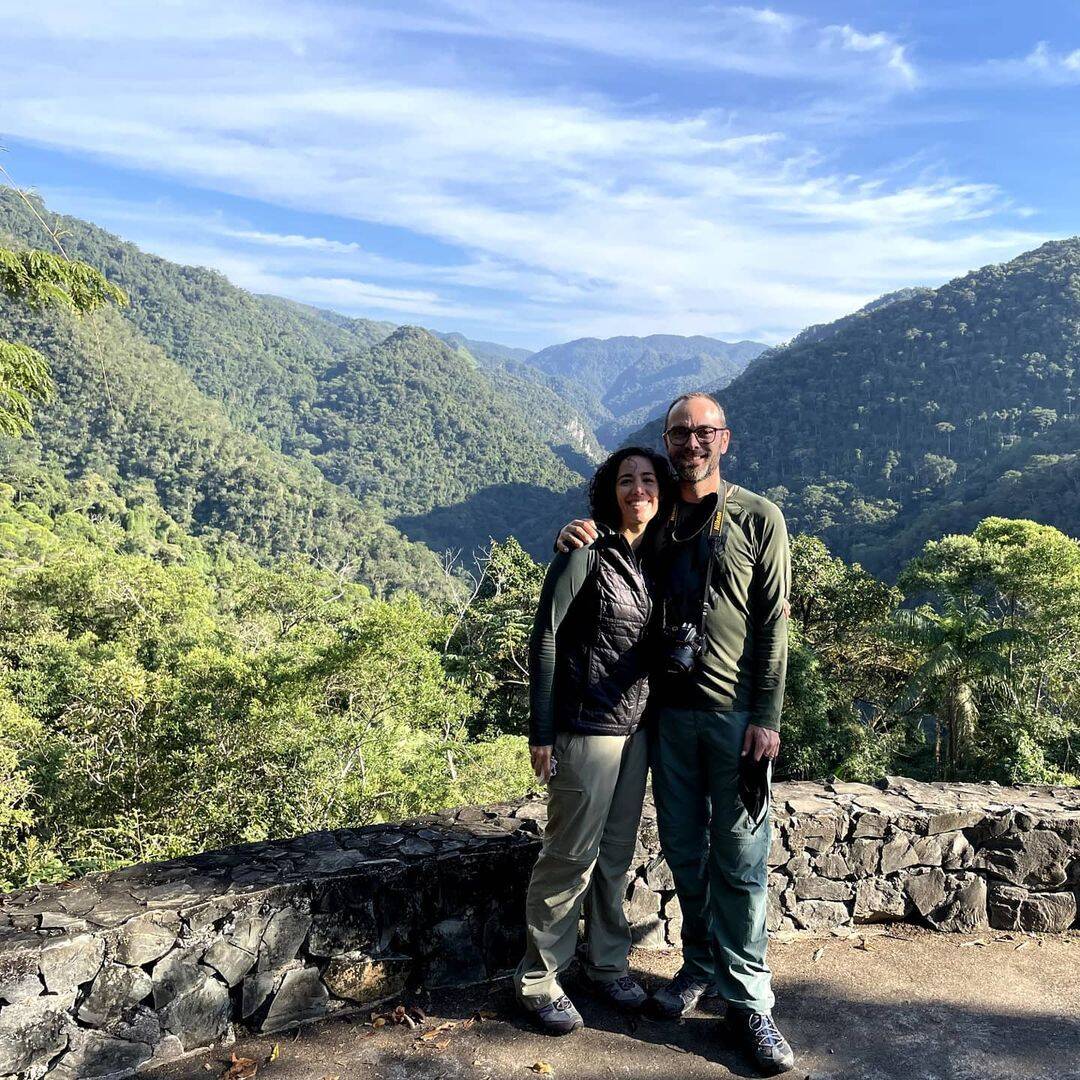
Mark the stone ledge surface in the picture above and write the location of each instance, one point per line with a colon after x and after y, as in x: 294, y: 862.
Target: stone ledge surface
x: 114, y: 973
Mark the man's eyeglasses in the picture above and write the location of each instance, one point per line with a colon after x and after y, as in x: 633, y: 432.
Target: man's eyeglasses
x: 706, y: 435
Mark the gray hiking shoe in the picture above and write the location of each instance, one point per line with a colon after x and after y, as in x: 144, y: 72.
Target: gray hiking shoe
x: 761, y: 1040
x: 680, y: 996
x: 624, y: 992
x: 558, y: 1017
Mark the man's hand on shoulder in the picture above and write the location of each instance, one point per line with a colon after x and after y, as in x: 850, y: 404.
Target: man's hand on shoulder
x: 581, y: 532
x: 761, y: 742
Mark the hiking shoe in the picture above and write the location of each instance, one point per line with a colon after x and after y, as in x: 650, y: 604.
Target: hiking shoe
x: 624, y: 992
x: 761, y: 1040
x: 558, y: 1017
x: 680, y: 996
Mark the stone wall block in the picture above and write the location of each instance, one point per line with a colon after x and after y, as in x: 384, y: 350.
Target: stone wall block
x: 673, y: 921
x: 93, y: 1053
x: 944, y: 821
x: 926, y: 891
x: 1039, y: 859
x: 778, y: 853
x: 366, y: 979
x: 956, y: 851
x: 870, y: 825
x: 344, y: 931
x: 19, y: 976
x: 176, y: 974
x: 818, y: 888
x: 832, y: 866
x: 115, y: 990
x: 897, y: 854
x: 820, y: 915
x: 283, y: 936
x: 503, y: 937
x: 258, y: 986
x: 301, y: 996
x: 928, y: 850
x: 230, y: 960
x: 455, y: 955
x: 199, y: 1016
x: 70, y: 963
x: 643, y: 914
x: 142, y: 941
x: 865, y: 857
x: 33, y: 1031
x: 965, y: 909
x: 658, y: 875
x: 1012, y: 908
x: 879, y: 900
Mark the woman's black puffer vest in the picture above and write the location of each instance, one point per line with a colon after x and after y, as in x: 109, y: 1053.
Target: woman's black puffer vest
x: 602, y: 653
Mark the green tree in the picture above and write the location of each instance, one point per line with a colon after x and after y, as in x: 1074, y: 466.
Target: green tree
x: 961, y: 655
x: 40, y: 279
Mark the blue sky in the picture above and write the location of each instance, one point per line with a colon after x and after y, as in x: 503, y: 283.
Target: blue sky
x: 538, y: 170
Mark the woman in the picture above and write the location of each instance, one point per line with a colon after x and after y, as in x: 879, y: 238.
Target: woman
x: 588, y: 662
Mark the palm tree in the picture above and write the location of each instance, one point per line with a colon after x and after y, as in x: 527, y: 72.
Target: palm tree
x: 962, y: 654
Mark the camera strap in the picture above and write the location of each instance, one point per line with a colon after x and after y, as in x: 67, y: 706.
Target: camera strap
x: 717, y: 543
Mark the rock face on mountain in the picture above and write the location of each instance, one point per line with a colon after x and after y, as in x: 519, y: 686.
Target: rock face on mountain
x: 117, y: 971
x: 922, y: 416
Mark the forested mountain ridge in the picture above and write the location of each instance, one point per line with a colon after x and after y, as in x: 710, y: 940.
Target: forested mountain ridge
x: 395, y: 416
x: 619, y: 382
x: 128, y: 418
x: 924, y: 415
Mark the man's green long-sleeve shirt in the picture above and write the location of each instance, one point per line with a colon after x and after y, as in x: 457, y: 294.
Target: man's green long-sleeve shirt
x: 744, y: 664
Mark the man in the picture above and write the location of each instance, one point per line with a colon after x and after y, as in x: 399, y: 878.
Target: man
x: 723, y: 714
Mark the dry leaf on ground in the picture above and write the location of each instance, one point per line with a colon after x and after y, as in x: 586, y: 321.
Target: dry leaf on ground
x: 544, y: 1068
x: 818, y: 954
x: 240, y: 1068
x: 275, y: 1052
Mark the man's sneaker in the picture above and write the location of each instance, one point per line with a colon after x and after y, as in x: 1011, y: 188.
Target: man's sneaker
x: 761, y: 1040
x: 624, y: 992
x: 558, y: 1017
x: 680, y: 996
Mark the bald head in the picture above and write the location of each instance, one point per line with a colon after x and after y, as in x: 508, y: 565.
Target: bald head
x: 698, y: 396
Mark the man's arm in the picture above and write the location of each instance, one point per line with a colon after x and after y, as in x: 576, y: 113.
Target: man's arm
x: 581, y: 532
x: 769, y: 610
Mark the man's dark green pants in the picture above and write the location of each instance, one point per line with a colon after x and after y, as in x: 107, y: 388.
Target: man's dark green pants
x: 718, y: 859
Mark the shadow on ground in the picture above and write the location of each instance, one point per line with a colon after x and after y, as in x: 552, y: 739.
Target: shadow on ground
x: 906, y: 1006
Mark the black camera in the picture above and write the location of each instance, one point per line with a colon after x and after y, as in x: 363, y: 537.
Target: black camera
x: 684, y: 647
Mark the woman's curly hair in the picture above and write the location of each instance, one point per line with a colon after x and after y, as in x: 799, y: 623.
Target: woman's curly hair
x: 603, y: 499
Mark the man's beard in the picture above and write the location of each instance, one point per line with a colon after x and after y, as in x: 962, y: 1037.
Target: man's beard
x: 690, y: 471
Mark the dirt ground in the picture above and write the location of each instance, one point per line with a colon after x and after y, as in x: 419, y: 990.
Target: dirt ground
x: 885, y: 1003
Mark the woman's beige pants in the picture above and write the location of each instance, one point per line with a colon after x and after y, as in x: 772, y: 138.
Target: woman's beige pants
x: 594, y: 808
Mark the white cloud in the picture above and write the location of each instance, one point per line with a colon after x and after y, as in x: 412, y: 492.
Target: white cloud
x: 573, y: 213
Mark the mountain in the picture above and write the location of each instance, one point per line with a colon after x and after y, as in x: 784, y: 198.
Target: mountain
x: 923, y: 415
x: 488, y: 354
x: 389, y: 416
x: 621, y: 381
x: 130, y: 422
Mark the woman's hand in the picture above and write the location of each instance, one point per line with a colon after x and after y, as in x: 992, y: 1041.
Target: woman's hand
x: 541, y: 762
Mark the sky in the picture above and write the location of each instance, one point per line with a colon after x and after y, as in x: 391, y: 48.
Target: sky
x: 534, y: 171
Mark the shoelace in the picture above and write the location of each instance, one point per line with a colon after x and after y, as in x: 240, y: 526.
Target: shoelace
x: 765, y: 1031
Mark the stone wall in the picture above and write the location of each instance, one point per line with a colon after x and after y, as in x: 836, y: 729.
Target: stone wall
x: 112, y: 973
